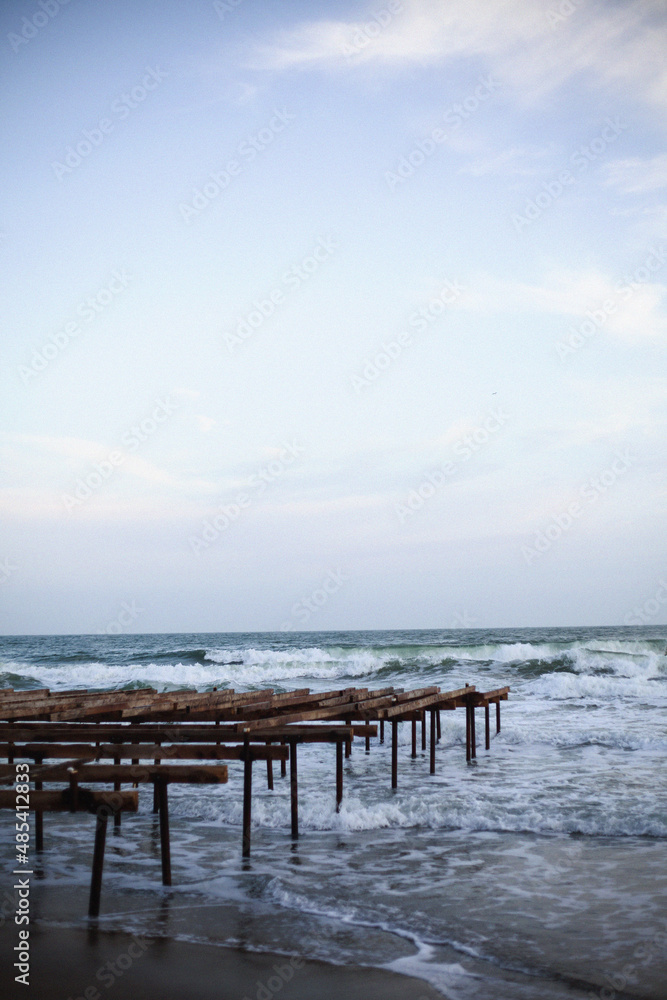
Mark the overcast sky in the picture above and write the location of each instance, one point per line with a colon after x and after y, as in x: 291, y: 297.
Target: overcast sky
x: 332, y: 315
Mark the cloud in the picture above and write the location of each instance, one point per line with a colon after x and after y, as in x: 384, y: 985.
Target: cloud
x: 619, y: 45
x: 633, y: 304
x: 204, y: 423
x: 637, y: 176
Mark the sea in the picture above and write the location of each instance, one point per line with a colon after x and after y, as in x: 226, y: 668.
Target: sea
x: 538, y: 870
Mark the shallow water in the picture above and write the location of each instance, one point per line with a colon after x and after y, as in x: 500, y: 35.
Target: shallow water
x: 537, y: 871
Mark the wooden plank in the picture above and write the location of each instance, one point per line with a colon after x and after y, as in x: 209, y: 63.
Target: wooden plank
x: 426, y: 702
x: 148, y: 751
x: 58, y: 801
x: 190, y: 773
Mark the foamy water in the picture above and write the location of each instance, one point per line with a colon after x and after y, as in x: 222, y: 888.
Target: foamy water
x: 545, y: 858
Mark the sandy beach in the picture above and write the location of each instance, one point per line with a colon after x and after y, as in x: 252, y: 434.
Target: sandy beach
x: 93, y: 964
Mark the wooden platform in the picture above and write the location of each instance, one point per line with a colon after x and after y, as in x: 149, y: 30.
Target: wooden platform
x: 77, y: 731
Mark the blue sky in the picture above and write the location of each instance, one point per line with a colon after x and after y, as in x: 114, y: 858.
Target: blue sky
x: 332, y: 315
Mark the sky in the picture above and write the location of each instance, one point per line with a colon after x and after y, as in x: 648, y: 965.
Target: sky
x: 332, y: 315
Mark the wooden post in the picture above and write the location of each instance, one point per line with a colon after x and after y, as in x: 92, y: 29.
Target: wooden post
x: 487, y: 728
x: 381, y: 730
x: 39, y: 815
x: 98, y: 862
x: 156, y: 804
x: 269, y: 770
x: 283, y: 763
x: 339, y: 774
x: 368, y: 743
x: 414, y: 737
x: 164, y: 830
x: 423, y: 729
x: 116, y: 788
x: 437, y: 720
x: 73, y: 789
x: 433, y: 724
x: 294, y: 790
x: 394, y: 753
x: 473, y: 744
x: 247, y: 799
x: 498, y: 716
x: 467, y: 730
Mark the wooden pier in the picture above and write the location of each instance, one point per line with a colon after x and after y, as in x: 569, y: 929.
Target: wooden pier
x: 79, y: 732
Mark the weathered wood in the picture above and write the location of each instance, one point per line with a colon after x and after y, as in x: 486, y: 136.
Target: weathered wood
x: 247, y: 802
x: 497, y: 717
x: 487, y: 728
x: 98, y: 865
x: 211, y: 774
x: 269, y: 771
x: 165, y: 847
x: 432, y: 755
x: 59, y: 801
x: 414, y: 737
x: 394, y: 753
x: 294, y: 790
x: 339, y: 774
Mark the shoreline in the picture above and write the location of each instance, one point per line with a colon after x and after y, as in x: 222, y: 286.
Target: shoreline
x: 94, y: 964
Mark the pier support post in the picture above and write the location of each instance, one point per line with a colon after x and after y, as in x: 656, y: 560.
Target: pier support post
x: 269, y: 770
x: 283, y: 763
x: 39, y: 815
x: 247, y: 800
x: 414, y: 737
x: 498, y: 716
x: 473, y: 742
x: 394, y: 753
x: 487, y: 727
x: 437, y: 721
x: 423, y: 729
x: 156, y: 804
x: 165, y: 848
x: 433, y: 725
x: 381, y: 730
x: 116, y: 788
x: 98, y: 862
x: 467, y: 730
x: 294, y: 791
x: 339, y: 774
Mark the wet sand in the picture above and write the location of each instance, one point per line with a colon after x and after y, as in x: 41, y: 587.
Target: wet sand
x: 72, y: 963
